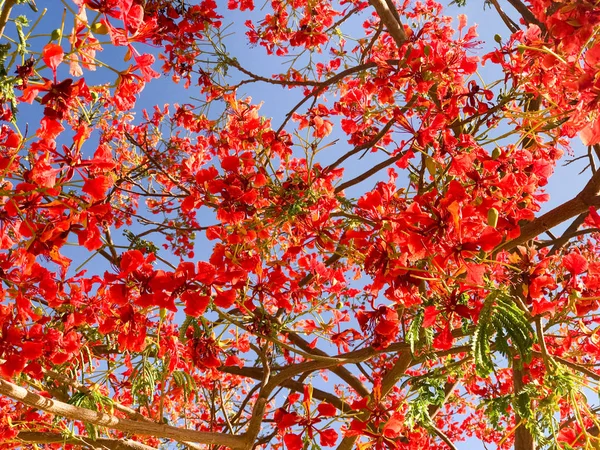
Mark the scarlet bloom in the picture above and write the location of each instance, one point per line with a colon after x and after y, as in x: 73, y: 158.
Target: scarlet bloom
x: 204, y: 352
x: 53, y: 55
x: 382, y: 324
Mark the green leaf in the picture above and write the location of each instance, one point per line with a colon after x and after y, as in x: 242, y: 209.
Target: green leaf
x: 502, y: 318
x: 413, y: 333
x: 481, y: 338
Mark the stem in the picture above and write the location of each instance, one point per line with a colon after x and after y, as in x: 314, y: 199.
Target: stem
x: 5, y: 14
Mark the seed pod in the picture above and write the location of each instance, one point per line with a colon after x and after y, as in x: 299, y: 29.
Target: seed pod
x: 99, y: 28
x: 492, y: 217
x: 431, y: 166
x: 56, y: 34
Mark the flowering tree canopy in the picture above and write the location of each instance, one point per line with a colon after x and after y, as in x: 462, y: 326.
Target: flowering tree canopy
x: 365, y: 267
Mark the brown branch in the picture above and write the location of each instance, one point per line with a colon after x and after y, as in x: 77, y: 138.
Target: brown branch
x: 284, y: 375
x: 387, y: 383
x: 131, y: 413
x: 102, y: 419
x: 360, y: 147
x: 577, y: 367
x: 439, y: 433
x: 448, y: 390
x: 577, y: 205
x: 157, y: 165
x: 255, y: 77
x: 523, y: 437
x: 570, y: 232
x: 5, y: 14
x: 372, y: 171
x: 324, y: 85
x: 34, y: 437
x: 371, y: 43
x: 340, y: 371
x: 510, y: 24
x: 257, y: 374
x: 389, y: 17
x: 526, y: 13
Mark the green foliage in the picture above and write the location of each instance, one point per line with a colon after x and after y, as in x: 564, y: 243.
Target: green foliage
x: 497, y: 410
x: 144, y: 378
x: 189, y: 321
x: 185, y: 381
x: 414, y: 331
x: 502, y: 318
x: 429, y: 392
x: 7, y: 93
x: 21, y: 22
x: 94, y: 401
x: 136, y: 243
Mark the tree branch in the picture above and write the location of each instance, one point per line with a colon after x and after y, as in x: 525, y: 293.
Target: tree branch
x: 577, y: 205
x: 34, y: 437
x: 340, y: 371
x: 510, y: 24
x: 526, y: 13
x: 365, y: 146
x: 389, y: 17
x: 106, y: 420
x: 568, y: 233
x: 131, y: 413
x: 372, y: 171
x: 5, y: 14
x: 523, y: 437
x: 387, y: 383
x: 293, y: 385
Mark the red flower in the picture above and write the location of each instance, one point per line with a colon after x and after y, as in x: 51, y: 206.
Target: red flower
x: 53, y: 54
x: 97, y: 186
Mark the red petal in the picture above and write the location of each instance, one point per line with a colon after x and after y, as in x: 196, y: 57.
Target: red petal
x: 595, y: 216
x: 96, y: 187
x: 475, y: 273
x: 393, y: 427
x: 575, y: 263
x: 328, y: 437
x: 117, y: 293
x: 287, y: 420
x: 225, y: 299
x: 327, y: 410
x: 53, y: 55
x: 31, y: 350
x: 230, y: 163
x: 14, y: 364
x: 443, y: 341
x: 130, y: 261
x: 195, y: 303
x: 590, y: 135
x: 430, y: 316
x: 293, y: 442
x: 233, y: 360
